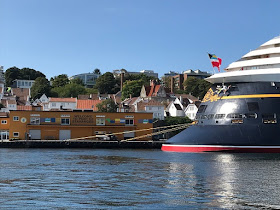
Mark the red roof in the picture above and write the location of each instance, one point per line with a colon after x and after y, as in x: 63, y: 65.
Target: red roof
x: 153, y: 90
x: 73, y: 100
x: 142, y: 104
x: 88, y: 104
x: 24, y: 107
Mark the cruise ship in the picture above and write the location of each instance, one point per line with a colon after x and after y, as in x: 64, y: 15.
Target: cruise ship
x: 241, y: 111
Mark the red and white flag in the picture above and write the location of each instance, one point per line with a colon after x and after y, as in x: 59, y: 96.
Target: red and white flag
x: 216, y: 62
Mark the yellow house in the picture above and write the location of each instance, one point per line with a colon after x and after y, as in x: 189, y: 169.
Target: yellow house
x: 52, y: 125
x: 4, y: 126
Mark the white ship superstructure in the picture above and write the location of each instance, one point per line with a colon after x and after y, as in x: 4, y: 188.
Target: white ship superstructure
x: 259, y: 65
x: 267, y: 56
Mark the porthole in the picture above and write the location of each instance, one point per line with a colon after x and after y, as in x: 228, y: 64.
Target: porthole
x: 23, y: 120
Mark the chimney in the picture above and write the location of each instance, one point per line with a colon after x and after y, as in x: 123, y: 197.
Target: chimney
x: 172, y: 84
x: 122, y: 80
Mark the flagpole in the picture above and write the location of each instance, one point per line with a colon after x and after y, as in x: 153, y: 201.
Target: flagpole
x: 213, y: 70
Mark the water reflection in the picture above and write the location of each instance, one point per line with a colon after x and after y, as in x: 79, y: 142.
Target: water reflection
x: 225, y: 181
x: 149, y: 179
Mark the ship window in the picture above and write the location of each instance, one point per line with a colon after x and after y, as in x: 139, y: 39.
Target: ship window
x: 234, y: 88
x: 210, y: 116
x: 220, y: 116
x: 203, y: 116
x: 237, y: 121
x: 269, y: 118
x: 251, y: 115
x: 234, y: 116
x: 202, y: 108
x: 253, y: 106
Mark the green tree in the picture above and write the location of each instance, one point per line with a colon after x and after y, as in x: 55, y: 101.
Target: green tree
x: 77, y: 81
x: 11, y: 74
x: 40, y: 87
x: 107, y: 106
x: 166, y: 81
x: 203, y: 87
x: 106, y: 83
x: 191, y: 86
x: 69, y: 90
x: 143, y: 77
x: 132, y: 88
x: 97, y: 71
x: 91, y: 91
x: 60, y: 80
x: 30, y: 74
x: 14, y: 73
x: 197, y: 87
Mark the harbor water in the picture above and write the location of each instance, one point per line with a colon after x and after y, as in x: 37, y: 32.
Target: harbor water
x: 137, y: 179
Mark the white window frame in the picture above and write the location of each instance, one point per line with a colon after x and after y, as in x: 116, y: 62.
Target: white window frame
x: 35, y: 120
x: 16, y: 118
x: 67, y: 121
x: 100, y: 121
x: 3, y: 121
x: 15, y: 134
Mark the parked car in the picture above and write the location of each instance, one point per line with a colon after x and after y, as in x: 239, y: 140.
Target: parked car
x: 108, y: 137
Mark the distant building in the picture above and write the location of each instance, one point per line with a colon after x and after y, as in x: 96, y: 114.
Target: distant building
x: 153, y: 90
x: 170, y: 74
x: 61, y: 103
x: 89, y: 79
x: 151, y: 106
x: 178, y: 80
x: 197, y: 73
x: 21, y: 83
x: 149, y: 73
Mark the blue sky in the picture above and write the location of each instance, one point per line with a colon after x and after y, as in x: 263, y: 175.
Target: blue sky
x: 77, y: 36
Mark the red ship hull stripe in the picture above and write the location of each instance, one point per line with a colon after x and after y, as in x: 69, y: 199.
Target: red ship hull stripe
x: 217, y: 148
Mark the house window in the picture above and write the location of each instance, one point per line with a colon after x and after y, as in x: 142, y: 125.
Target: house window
x: 53, y: 104
x: 35, y: 120
x: 16, y: 134
x: 65, y: 121
x: 15, y: 118
x: 100, y: 121
x: 3, y: 121
x: 129, y: 122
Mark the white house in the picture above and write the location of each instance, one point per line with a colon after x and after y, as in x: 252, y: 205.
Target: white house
x: 175, y: 109
x: 43, y: 101
x: 61, y: 103
x: 21, y: 83
x: 151, y: 106
x: 191, y: 111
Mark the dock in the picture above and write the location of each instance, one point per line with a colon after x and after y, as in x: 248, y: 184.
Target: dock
x: 95, y: 144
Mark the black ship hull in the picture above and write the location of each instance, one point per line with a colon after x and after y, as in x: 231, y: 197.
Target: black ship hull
x: 244, y: 117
